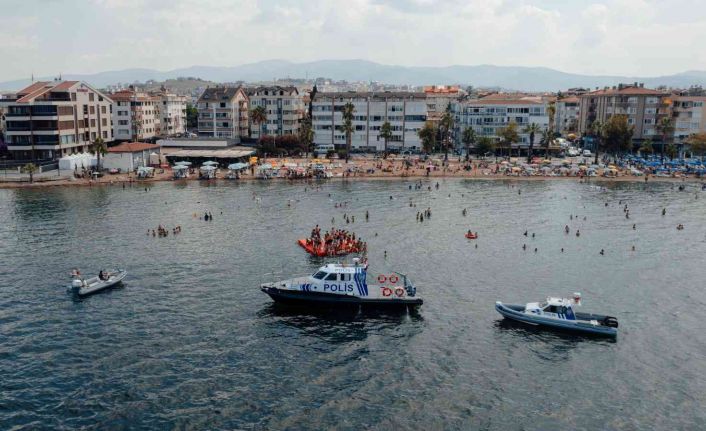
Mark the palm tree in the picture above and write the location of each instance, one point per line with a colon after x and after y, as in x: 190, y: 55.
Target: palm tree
x: 386, y: 134
x: 646, y: 147
x: 30, y: 168
x: 508, y: 135
x: 428, y: 136
x: 551, y: 113
x: 347, y: 127
x: 468, y: 138
x: 595, y: 130
x: 259, y: 116
x: 485, y: 145
x: 547, y: 138
x: 446, y: 125
x: 532, y: 129
x: 664, y: 127
x: 671, y: 151
x: 306, y: 135
x: 99, y: 148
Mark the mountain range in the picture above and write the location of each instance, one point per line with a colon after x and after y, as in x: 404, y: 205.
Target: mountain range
x: 506, y: 77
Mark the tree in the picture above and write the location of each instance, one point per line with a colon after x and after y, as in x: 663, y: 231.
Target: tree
x: 306, y: 136
x: 595, y: 131
x: 30, y: 168
x: 259, y: 116
x: 446, y: 126
x: 485, y: 145
x: 428, y: 136
x: 98, y: 148
x: 547, y: 138
x: 671, y: 151
x: 532, y: 129
x: 617, y: 134
x: 347, y: 127
x: 508, y: 135
x: 551, y: 113
x: 192, y: 116
x: 386, y: 134
x: 697, y: 143
x: 468, y: 138
x: 665, y: 126
x: 647, y: 147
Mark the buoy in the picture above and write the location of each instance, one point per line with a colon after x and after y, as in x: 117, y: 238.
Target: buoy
x: 381, y: 278
x: 399, y: 292
x: 394, y: 279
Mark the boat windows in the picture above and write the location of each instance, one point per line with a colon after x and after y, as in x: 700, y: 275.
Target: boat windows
x: 319, y: 275
x: 345, y: 277
x: 331, y: 277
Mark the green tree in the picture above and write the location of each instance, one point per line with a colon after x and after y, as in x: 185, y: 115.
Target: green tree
x: 508, y: 135
x: 547, y: 138
x: 30, y: 168
x: 468, y: 138
x: 446, y: 126
x: 665, y: 126
x: 595, y: 131
x: 697, y: 143
x: 306, y: 136
x: 671, y: 151
x: 485, y: 145
x: 617, y: 134
x: 347, y: 127
x: 192, y: 116
x: 551, y: 113
x: 532, y: 129
x: 98, y: 148
x: 259, y: 116
x: 428, y: 136
x: 386, y: 134
x: 647, y: 147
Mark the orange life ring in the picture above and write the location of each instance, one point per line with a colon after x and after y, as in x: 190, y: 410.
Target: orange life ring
x: 399, y: 292
x: 381, y: 278
x: 386, y: 291
x: 394, y: 279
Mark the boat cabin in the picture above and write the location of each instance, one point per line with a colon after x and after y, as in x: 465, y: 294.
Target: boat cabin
x: 557, y: 308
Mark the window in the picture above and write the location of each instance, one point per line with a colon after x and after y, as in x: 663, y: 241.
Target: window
x: 345, y: 277
x: 331, y: 277
x: 103, y: 109
x: 319, y: 275
x: 90, y: 97
x: 223, y: 105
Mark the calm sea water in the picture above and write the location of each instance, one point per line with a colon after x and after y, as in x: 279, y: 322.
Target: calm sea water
x: 191, y: 343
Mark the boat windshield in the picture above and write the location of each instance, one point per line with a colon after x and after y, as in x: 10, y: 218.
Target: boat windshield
x: 320, y: 275
x: 542, y: 305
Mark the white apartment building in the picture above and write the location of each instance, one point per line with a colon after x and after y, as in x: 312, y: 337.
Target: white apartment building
x: 284, y: 107
x: 171, y: 109
x: 48, y: 120
x: 135, y: 115
x: 406, y: 112
x: 566, y: 116
x: 689, y: 116
x: 223, y: 113
x: 489, y: 114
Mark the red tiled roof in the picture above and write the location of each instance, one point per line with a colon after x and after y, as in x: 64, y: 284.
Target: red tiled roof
x: 131, y: 147
x: 32, y: 88
x: 64, y: 86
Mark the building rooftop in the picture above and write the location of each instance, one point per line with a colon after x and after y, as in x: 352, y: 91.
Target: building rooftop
x: 370, y: 94
x: 45, y: 91
x: 630, y: 90
x: 288, y: 91
x: 132, y: 147
x: 213, y: 94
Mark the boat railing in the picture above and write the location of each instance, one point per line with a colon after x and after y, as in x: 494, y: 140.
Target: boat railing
x: 408, y: 286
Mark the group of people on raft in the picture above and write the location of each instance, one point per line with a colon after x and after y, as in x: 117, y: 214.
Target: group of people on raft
x: 336, y: 242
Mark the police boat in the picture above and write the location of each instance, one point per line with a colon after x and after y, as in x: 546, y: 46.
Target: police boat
x: 559, y: 313
x: 340, y: 284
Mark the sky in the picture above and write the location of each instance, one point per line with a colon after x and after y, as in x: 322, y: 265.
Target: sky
x: 616, y: 37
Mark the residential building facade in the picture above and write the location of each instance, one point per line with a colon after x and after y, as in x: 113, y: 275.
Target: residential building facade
x: 487, y: 115
x: 688, y: 115
x: 48, y: 120
x: 223, y: 113
x: 566, y: 116
x: 643, y: 107
x: 439, y: 97
x: 284, y: 107
x: 171, y: 110
x: 405, y: 111
x: 135, y: 115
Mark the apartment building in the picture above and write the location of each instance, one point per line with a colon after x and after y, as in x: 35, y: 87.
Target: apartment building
x: 439, y: 97
x: 48, y: 120
x: 284, y: 107
x: 223, y: 113
x: 566, y: 116
x: 689, y: 116
x: 135, y: 115
x: 487, y: 115
x: 171, y: 111
x: 406, y: 112
x: 643, y: 107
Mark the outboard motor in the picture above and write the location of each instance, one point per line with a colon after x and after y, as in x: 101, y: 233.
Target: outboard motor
x: 76, y: 283
x: 610, y: 321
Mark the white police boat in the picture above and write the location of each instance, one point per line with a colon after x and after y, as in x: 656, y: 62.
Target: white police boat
x: 339, y: 284
x: 559, y: 313
x: 88, y: 286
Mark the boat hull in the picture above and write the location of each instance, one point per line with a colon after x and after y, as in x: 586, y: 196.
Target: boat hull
x: 318, y: 299
x: 516, y: 313
x: 99, y: 287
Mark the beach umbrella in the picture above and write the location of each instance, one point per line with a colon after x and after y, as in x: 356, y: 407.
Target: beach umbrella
x: 210, y: 163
